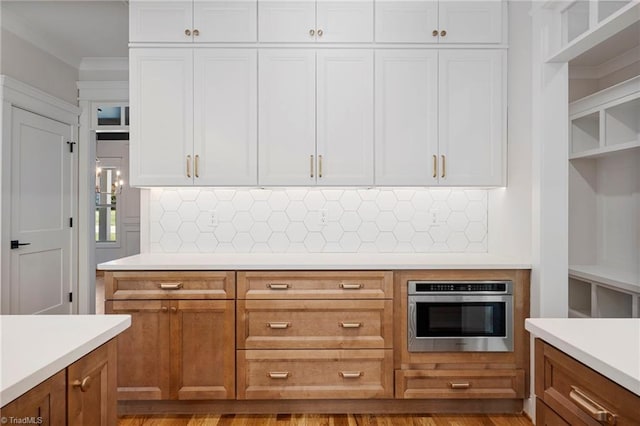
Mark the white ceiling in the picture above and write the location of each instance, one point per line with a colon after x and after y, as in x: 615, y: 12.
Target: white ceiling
x: 70, y: 30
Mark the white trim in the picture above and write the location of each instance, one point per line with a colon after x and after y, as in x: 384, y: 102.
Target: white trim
x: 98, y: 91
x: 104, y: 64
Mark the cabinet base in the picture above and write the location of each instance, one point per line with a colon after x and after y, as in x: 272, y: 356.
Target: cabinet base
x: 324, y: 406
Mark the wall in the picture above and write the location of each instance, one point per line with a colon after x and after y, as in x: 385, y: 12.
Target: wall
x: 32, y: 65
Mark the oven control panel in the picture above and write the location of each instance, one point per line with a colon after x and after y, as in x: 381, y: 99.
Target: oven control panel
x: 467, y: 287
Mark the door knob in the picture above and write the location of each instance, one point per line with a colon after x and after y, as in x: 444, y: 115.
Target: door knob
x: 16, y: 244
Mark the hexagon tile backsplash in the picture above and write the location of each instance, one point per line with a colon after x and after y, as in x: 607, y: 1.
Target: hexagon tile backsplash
x: 206, y: 220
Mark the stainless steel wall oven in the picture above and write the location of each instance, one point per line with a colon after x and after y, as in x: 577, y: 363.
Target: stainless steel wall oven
x: 460, y: 316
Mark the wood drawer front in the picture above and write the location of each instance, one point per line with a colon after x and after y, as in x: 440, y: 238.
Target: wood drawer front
x: 565, y: 384
x: 459, y: 384
x: 315, y: 285
x: 301, y: 374
x: 545, y: 416
x: 309, y: 324
x: 169, y: 285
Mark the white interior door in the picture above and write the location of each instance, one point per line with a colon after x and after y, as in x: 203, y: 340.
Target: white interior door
x: 41, y: 206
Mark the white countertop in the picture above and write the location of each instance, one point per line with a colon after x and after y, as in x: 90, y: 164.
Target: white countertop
x: 282, y: 261
x: 609, y: 346
x: 35, y: 347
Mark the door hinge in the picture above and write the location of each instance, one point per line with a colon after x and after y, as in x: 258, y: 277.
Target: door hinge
x: 70, y: 297
x: 70, y: 222
x: 71, y: 144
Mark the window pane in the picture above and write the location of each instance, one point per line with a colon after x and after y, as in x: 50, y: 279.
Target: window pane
x: 109, y: 116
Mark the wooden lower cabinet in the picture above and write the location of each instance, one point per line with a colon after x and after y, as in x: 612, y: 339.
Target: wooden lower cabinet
x: 545, y: 416
x: 44, y: 403
x: 573, y: 393
x: 176, y: 349
x: 308, y: 374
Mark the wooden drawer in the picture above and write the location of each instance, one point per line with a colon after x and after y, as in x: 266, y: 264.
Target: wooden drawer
x: 319, y: 324
x: 571, y: 389
x: 459, y: 384
x: 545, y: 416
x: 315, y: 285
x: 299, y: 374
x: 169, y: 285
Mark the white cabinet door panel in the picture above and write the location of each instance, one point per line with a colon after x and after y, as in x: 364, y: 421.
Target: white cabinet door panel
x: 345, y: 117
x: 161, y: 108
x: 406, y: 116
x: 344, y: 21
x: 471, y: 119
x: 471, y: 21
x: 287, y: 113
x: 282, y: 21
x: 160, y: 21
x: 225, y: 21
x: 406, y: 21
x: 225, y: 120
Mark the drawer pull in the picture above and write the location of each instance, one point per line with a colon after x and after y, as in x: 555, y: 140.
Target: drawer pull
x: 459, y: 385
x: 83, y: 385
x: 279, y: 374
x: 350, y: 374
x: 350, y: 286
x: 278, y: 325
x: 592, y: 408
x: 170, y: 286
x: 350, y: 324
x: 274, y: 286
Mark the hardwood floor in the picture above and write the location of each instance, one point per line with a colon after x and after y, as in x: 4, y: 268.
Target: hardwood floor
x: 326, y: 420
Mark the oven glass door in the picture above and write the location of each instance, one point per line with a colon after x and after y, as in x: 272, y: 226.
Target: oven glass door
x: 460, y: 319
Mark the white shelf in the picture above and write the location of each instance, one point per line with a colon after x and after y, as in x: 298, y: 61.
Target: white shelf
x: 573, y: 313
x: 603, y: 152
x: 607, y: 276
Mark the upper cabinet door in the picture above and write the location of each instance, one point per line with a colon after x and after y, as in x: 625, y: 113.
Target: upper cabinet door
x: 345, y: 117
x: 225, y: 21
x: 406, y: 116
x: 472, y: 117
x: 287, y: 114
x: 225, y: 117
x: 477, y: 21
x: 161, y: 108
x: 344, y: 21
x: 286, y: 21
x: 406, y: 21
x: 160, y: 21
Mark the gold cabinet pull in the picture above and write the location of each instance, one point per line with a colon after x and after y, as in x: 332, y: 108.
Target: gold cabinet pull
x: 164, y: 309
x: 170, y: 286
x: 350, y: 374
x: 279, y: 374
x: 465, y: 385
x: 278, y: 325
x: 312, y: 32
x: 188, y: 166
x: 320, y: 32
x: 591, y: 407
x: 187, y: 32
x: 196, y: 32
x: 319, y: 166
x: 350, y: 324
x: 277, y: 286
x: 444, y: 166
x: 174, y: 309
x: 350, y: 286
x: 435, y: 166
x: 443, y: 33
x: 434, y: 33
x: 83, y: 384
x: 311, y: 165
x: 197, y: 164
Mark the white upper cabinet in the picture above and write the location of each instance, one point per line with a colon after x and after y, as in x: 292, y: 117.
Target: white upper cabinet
x: 473, y: 22
x: 192, y: 21
x: 440, y: 117
x: 301, y: 21
x: 291, y: 151
x: 193, y: 116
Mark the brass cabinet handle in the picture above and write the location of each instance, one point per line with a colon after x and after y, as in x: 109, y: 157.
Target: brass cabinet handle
x: 350, y: 324
x: 350, y: 286
x: 83, y: 384
x: 319, y: 166
x: 187, y: 32
x: 459, y: 385
x: 188, y: 166
x: 164, y: 309
x: 443, y: 33
x: 311, y: 165
x: 434, y: 33
x: 591, y: 407
x: 170, y: 286
x: 278, y: 325
x: 275, y: 286
x: 444, y: 166
x: 320, y: 32
x: 435, y: 166
x: 196, y: 32
x: 174, y: 309
x: 279, y: 374
x: 350, y: 374
x: 312, y: 32
x: 197, y: 163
